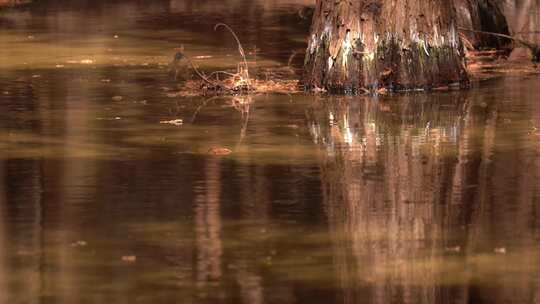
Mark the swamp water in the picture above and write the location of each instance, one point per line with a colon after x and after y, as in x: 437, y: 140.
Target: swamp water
x: 398, y: 199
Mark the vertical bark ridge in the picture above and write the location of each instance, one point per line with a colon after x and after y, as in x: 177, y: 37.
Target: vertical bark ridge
x: 395, y: 44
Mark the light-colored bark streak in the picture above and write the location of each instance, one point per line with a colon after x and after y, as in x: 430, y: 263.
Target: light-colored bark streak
x: 379, y: 43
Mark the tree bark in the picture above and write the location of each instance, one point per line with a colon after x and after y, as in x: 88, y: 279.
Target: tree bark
x: 482, y: 15
x: 392, y: 44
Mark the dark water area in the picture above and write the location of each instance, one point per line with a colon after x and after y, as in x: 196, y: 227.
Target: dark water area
x: 419, y: 198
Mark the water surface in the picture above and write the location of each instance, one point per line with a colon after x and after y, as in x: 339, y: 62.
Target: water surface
x: 397, y: 199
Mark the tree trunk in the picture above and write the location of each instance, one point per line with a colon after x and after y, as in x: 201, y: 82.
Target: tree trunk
x: 482, y: 15
x: 395, y: 44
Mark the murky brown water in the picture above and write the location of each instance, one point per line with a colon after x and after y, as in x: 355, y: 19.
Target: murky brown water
x: 407, y: 199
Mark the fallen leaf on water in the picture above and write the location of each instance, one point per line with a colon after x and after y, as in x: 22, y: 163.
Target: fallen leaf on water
x: 382, y: 91
x: 219, y: 151
x: 174, y: 122
x: 79, y: 244
x: 500, y: 250
x: 173, y: 95
x: 129, y: 258
x: 453, y: 249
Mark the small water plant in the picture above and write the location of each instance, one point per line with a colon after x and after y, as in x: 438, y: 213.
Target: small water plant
x: 233, y: 83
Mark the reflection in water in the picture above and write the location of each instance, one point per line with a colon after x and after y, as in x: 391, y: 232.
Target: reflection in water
x: 3, y: 242
x: 414, y: 199
x: 208, y: 225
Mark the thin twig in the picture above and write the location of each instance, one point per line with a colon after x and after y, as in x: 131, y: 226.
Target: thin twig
x: 221, y: 72
x: 529, y: 33
x: 289, y: 62
x: 199, y: 73
x: 240, y: 48
x: 533, y: 47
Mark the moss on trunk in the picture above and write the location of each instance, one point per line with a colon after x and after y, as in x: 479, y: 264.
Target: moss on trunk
x: 395, y: 44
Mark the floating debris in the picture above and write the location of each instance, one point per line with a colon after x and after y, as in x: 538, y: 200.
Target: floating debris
x: 129, y: 258
x: 454, y: 249
x: 173, y: 95
x: 500, y: 250
x: 109, y: 118
x: 219, y: 151
x: 79, y: 244
x: 174, y: 122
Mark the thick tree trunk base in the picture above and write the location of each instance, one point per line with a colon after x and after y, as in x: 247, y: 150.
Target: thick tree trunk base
x: 393, y: 66
x: 396, y: 45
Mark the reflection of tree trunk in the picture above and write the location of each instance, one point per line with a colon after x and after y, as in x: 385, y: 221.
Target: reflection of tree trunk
x: 508, y: 205
x: 251, y: 285
x: 483, y: 185
x: 382, y: 191
x: 4, y: 258
x: 20, y: 209
x: 405, y: 182
x: 386, y: 43
x: 208, y: 225
x: 400, y: 222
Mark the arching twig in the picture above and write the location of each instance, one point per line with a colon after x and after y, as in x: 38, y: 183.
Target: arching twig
x: 240, y: 48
